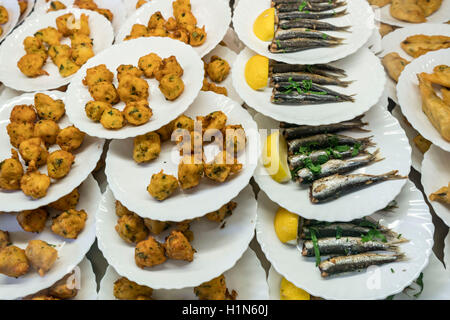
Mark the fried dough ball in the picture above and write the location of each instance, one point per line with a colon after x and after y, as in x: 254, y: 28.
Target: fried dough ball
x: 59, y: 52
x: 67, y: 67
x: 70, y: 138
x: 180, y: 35
x: 32, y: 220
x: 190, y: 171
x: 197, y: 37
x: 225, y: 211
x: 162, y: 185
x: 69, y: 224
x: 11, y: 172
x: 235, y: 138
x: 180, y: 6
x: 31, y: 65
x: 165, y: 132
x: 49, y: 35
x: 171, y: 24
x: 137, y: 31
x: 4, y: 239
x: 81, y: 54
x: 112, y: 119
x: 13, y: 262
x: 218, y: 69
x: 80, y: 39
x: 183, y: 122
x: 208, y: 86
x: 61, y: 289
x: 156, y: 21
x: 137, y: 112
x: 186, y: 18
x: 169, y: 66
x: 56, y: 6
x: 132, y: 89
x: 222, y: 166
x: 146, y: 147
x: 140, y: 3
x: 65, y: 24
x: 171, y: 86
x: 47, y: 130
x: 178, y: 247
x: 23, y: 113
x: 35, y: 45
x: 121, y: 210
x: 47, y: 108
x: 128, y: 69
x: 149, y: 64
x: 191, y: 144
x: 34, y: 149
x: 59, y: 164
x: 407, y: 10
x: 98, y: 74
x: 41, y: 255
x: 131, y: 228
x: 104, y: 91
x: 34, y: 183
x: 156, y: 226
x: 19, y: 132
x: 4, y: 15
x: 214, y: 121
x: 67, y: 202
x: 95, y: 109
x: 214, y: 289
x: 125, y: 289
x: 149, y: 253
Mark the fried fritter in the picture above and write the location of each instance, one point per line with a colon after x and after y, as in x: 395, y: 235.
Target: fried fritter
x: 156, y: 226
x: 112, y: 119
x: 61, y: 289
x: 81, y: 54
x: 34, y: 149
x: 156, y: 21
x: 131, y: 228
x: 218, y: 69
x: 429, y: 6
x: 132, y: 88
x: 146, y: 147
x: 149, y: 64
x: 197, y: 37
x: 394, y: 65
x: 379, y: 3
x: 70, y: 223
x: 208, y: 86
x: 67, y: 202
x: 137, y: 31
x: 137, y: 113
x: 31, y: 65
x: 59, y: 164
x: 41, y: 255
x: 121, y: 210
x: 162, y: 185
x: 34, y: 183
x: 49, y: 35
x: 104, y: 91
x: 180, y: 35
x: 4, y: 15
x: 214, y: 289
x: 66, y: 24
x: 446, y: 95
x: 35, y: 45
x: 23, y: 113
x: 235, y: 139
x: 222, y: 167
x: 95, y: 109
x: 19, y: 132
x: 47, y: 108
x: 171, y: 86
x: 421, y: 143
x: 214, y: 121
x: 32, y: 220
x: 97, y: 74
x: 407, y: 10
x: 169, y: 66
x: 47, y: 130
x: 190, y: 171
x: 442, y: 195
x: 440, y: 75
x: 125, y: 289
x: 13, y: 262
x: 56, y: 5
x: 11, y: 172
x: 178, y: 247
x: 420, y: 44
x: 225, y: 211
x: 129, y: 69
x: 4, y: 239
x: 70, y: 138
x: 149, y: 253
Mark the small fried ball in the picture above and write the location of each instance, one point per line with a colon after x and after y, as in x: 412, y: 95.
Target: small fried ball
x: 156, y: 226
x: 222, y: 167
x: 47, y: 130
x: 218, y: 69
x: 131, y: 228
x: 70, y: 138
x: 165, y: 132
x: 214, y: 289
x: 35, y: 45
x: 49, y: 35
x: 190, y: 171
x: 67, y: 67
x: 146, y: 147
x: 41, y: 255
x: 169, y: 66
x: 31, y: 65
x: 225, y: 211
x: 137, y: 31
x: 60, y: 289
x: 137, y: 113
x: 156, y: 21
x: 132, y: 88
x: 34, y: 149
x: 149, y: 253
x: 84, y: 25
x: 178, y: 247
x: 95, y: 109
x: 69, y: 224
x: 79, y: 39
x: 121, y: 210
x: 23, y: 113
x: 11, y: 172
x: 149, y: 64
x: 4, y: 239
x: 197, y: 37
x: 215, y: 120
x: 158, y: 32
x: 85, y: 4
x: 32, y: 220
x: 171, y: 24
x: 4, y: 15
x: 235, y: 138
x: 13, y: 262
x: 184, y: 122
x: 59, y: 164
x: 172, y: 86
x: 58, y: 53
x: 65, y: 24
x: 186, y: 18
x: 67, y: 202
x: 56, y: 5
x: 162, y: 185
x: 81, y: 54
x: 47, y: 108
x: 19, y: 132
x: 125, y: 289
x: 104, y: 91
x: 34, y: 183
x: 97, y: 74
x: 129, y: 69
x: 112, y: 119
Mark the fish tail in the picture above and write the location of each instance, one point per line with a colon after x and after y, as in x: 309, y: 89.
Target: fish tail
x: 401, y: 257
x: 366, y: 142
x: 393, y: 175
x: 376, y: 157
x: 395, y: 242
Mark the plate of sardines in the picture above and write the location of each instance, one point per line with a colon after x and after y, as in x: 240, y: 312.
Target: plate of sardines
x: 313, y: 31
x: 331, y: 172
x: 377, y: 256
x: 310, y: 94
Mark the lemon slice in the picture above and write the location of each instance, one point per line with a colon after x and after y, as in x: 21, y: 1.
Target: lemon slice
x: 264, y: 25
x: 290, y: 292
x: 275, y: 157
x: 257, y: 72
x: 286, y: 225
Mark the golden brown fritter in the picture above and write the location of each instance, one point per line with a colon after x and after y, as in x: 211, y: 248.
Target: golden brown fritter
x: 137, y: 31
x: 171, y: 86
x: 11, y: 172
x: 35, y: 45
x: 394, y: 65
x: 49, y: 35
x: 215, y: 289
x: 440, y: 75
x: 61, y: 290
x: 129, y: 69
x: 97, y: 74
x: 156, y: 21
x: 48, y: 108
x: 23, y: 113
x: 171, y: 24
x: 169, y: 66
x: 41, y: 256
x: 407, y: 10
x: 59, y: 164
x: 137, y: 113
x: 140, y: 3
x: 156, y: 226
x: 4, y: 239
x: 234, y: 138
x: 178, y: 247
x: 197, y: 36
x: 209, y: 86
x: 56, y: 5
x: 429, y: 6
x: 13, y: 262
x: 149, y: 253
x: 180, y: 35
x: 69, y: 224
x: 146, y: 147
x: 149, y: 64
x: 47, y: 130
x: 70, y: 138
x: 66, y: 24
x: 112, y: 119
x: 104, y: 91
x: 131, y: 228
x: 225, y: 211
x: 95, y: 109
x: 19, y: 132
x: 218, y: 69
x: 125, y: 289
x: 81, y: 54
x: 34, y: 149
x: 59, y: 52
x: 4, y: 15
x: 215, y: 120
x: 165, y: 132
x: 67, y: 202
x: 190, y: 171
x: 420, y: 44
x: 85, y: 4
x: 32, y: 220
x: 132, y: 88
x: 121, y: 210
x: 162, y: 185
x: 34, y: 183
x: 222, y: 167
x: 183, y: 122
x: 31, y: 65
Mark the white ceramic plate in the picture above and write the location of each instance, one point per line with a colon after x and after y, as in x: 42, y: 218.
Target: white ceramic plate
x: 28, y: 10
x: 129, y: 52
x: 12, y: 50
x: 70, y: 252
x: 409, y: 97
x: 360, y: 17
x: 247, y: 277
x: 214, y: 15
x: 230, y: 57
x: 13, y: 9
x: 115, y: 6
x: 274, y: 283
x: 411, y: 133
x: 412, y: 219
x: 435, y: 175
x: 440, y: 16
x: 86, y: 158
x: 88, y: 282
x: 217, y: 249
x: 130, y: 186
x: 394, y: 146
x: 391, y: 43
x: 367, y: 90
x: 374, y: 42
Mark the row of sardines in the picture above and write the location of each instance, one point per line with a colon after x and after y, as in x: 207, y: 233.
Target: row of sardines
x: 299, y: 24
x: 321, y: 157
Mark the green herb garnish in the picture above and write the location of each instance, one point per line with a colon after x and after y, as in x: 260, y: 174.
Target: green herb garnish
x: 315, y: 245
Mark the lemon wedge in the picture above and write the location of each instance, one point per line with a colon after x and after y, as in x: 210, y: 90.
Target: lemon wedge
x: 290, y: 292
x: 275, y: 157
x: 257, y: 72
x: 264, y: 25
x: 286, y: 224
